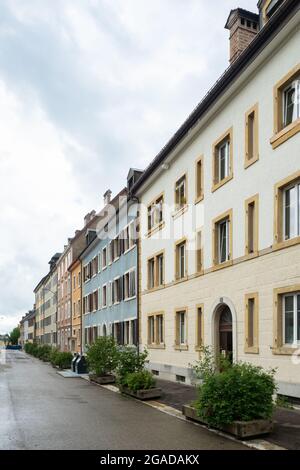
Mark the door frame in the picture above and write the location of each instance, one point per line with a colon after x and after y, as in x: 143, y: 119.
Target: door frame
x: 214, y: 327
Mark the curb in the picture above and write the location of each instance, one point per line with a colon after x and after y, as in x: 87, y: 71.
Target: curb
x: 257, y: 444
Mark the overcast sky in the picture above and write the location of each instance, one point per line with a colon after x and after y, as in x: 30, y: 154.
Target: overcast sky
x: 88, y: 89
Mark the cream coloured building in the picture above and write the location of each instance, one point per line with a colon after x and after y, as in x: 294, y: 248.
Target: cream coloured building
x: 220, y: 212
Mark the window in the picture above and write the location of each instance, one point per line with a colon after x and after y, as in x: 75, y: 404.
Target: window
x: 156, y: 330
x: 117, y: 294
x: 199, y: 327
x: 291, y: 319
x: 287, y: 210
x: 181, y: 334
x: 160, y: 329
x: 132, y: 234
x: 251, y: 136
x: 151, y: 326
x: 286, y: 107
x: 95, y: 300
x: 74, y: 282
x: 222, y: 239
x: 79, y: 279
x: 104, y: 258
x: 104, y: 295
x: 291, y: 102
x: 95, y: 266
x: 199, y: 179
x: 99, y: 262
x: 155, y: 212
x: 251, y: 207
x: 286, y: 319
x: 111, y: 251
x: 130, y: 284
x: 156, y: 271
x: 251, y: 323
x: 199, y: 253
x: 180, y: 261
x: 222, y: 160
x: 291, y: 211
x: 180, y: 193
x: 151, y: 273
x: 160, y: 269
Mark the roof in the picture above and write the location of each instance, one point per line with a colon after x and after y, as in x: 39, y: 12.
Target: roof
x: 274, y: 25
x: 248, y: 15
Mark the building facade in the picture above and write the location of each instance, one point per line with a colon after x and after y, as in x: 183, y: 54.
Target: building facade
x: 219, y: 223
x: 66, y: 339
x: 27, y: 324
x: 109, y: 269
x: 75, y: 273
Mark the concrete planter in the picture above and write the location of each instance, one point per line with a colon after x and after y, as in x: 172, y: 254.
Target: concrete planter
x: 102, y: 380
x: 240, y: 429
x: 142, y: 394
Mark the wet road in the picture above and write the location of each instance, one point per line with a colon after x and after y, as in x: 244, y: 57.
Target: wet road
x: 39, y: 409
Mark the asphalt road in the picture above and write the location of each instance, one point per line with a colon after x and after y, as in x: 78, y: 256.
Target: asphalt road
x: 39, y: 409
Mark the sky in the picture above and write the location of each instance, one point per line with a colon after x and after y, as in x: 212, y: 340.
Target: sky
x: 88, y: 89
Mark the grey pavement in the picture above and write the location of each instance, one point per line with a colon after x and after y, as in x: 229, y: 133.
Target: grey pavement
x: 39, y: 409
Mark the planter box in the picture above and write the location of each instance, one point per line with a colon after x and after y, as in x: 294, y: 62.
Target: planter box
x: 240, y: 429
x: 142, y: 394
x: 102, y: 380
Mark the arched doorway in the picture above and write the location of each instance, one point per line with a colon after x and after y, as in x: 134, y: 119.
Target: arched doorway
x: 225, y: 332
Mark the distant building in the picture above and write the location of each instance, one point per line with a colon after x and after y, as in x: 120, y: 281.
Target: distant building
x: 109, y: 272
x: 27, y: 327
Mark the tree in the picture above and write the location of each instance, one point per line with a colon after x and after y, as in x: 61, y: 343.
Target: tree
x: 14, y: 336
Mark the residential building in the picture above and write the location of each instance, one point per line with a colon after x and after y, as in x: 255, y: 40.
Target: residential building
x: 46, y: 305
x: 75, y: 273
x: 220, y: 211
x: 66, y: 340
x: 27, y: 328
x: 109, y: 271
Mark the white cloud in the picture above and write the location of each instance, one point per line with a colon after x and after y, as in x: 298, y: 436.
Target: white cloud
x: 88, y: 89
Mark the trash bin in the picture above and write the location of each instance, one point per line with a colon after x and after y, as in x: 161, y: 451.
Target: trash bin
x: 73, y: 362
x: 80, y: 365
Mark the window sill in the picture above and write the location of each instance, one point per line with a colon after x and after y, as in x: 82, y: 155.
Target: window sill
x: 216, y: 267
x: 154, y: 289
x: 181, y: 279
x: 155, y: 229
x: 156, y: 346
x: 285, y: 350
x: 199, y: 198
x: 129, y: 249
x: 251, y: 161
x: 180, y: 211
x: 286, y: 243
x: 218, y: 185
x: 199, y: 348
x: 130, y: 298
x: 181, y: 347
x: 251, y: 350
x: 285, y: 134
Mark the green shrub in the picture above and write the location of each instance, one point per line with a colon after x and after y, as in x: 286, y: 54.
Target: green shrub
x: 129, y: 361
x: 240, y: 392
x: 63, y: 359
x: 141, y: 380
x: 44, y: 352
x: 53, y: 355
x: 29, y: 347
x: 102, y: 356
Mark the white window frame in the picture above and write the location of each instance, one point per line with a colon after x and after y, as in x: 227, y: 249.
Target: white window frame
x: 104, y: 249
x: 295, y: 295
x: 297, y: 210
x: 295, y: 84
x: 226, y: 145
x: 222, y: 222
x: 104, y: 305
x: 182, y: 315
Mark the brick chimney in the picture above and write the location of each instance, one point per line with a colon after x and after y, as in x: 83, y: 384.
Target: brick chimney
x: 243, y: 26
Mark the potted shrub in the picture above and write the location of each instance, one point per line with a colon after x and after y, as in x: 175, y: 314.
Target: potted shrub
x: 102, y: 358
x: 236, y: 398
x: 133, y: 378
x: 63, y: 360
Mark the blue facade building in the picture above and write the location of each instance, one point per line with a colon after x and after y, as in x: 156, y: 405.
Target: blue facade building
x: 110, y: 271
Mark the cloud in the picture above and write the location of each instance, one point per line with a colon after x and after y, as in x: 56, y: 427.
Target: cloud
x: 88, y: 89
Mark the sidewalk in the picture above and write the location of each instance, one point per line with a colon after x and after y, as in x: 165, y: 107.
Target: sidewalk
x: 287, y: 422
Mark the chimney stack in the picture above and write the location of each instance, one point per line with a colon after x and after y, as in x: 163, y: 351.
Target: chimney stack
x: 243, y: 26
x: 107, y: 197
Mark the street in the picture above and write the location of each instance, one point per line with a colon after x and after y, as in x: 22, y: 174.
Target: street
x: 39, y: 409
